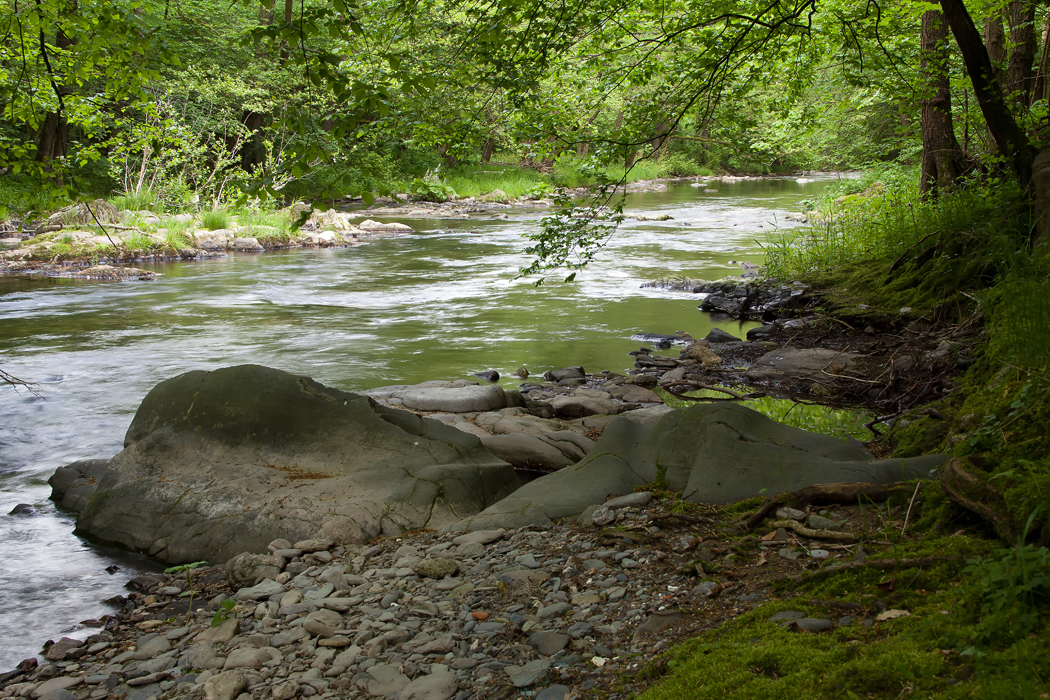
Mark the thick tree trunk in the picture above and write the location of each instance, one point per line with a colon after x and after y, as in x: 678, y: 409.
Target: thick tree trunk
x: 1022, y: 56
x: 488, y: 149
x: 995, y: 41
x: 1010, y: 139
x: 54, y: 132
x: 1039, y: 90
x: 941, y: 155
x: 253, y: 152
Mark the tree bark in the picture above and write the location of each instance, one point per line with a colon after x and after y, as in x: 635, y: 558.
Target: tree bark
x: 1022, y: 36
x: 995, y: 40
x: 53, y: 138
x: 289, y: 5
x: 1039, y: 89
x: 488, y: 149
x: 1012, y: 142
x: 941, y: 155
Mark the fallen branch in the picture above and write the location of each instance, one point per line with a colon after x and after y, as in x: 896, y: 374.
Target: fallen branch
x: 692, y: 519
x: 749, y: 521
x: 815, y: 534
x: 711, y: 387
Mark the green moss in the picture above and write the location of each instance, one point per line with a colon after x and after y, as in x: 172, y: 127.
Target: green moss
x: 919, y: 655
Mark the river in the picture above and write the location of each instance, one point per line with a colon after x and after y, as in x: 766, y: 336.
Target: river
x: 440, y: 304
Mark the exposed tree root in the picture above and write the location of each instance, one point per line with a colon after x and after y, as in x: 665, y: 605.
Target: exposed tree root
x: 979, y: 497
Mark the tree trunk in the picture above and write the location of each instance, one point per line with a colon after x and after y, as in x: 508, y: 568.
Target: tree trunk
x: 487, y: 149
x: 1022, y: 35
x: 1039, y: 90
x: 941, y: 155
x: 54, y: 132
x: 995, y: 40
x: 253, y: 152
x: 289, y: 5
x: 1010, y: 139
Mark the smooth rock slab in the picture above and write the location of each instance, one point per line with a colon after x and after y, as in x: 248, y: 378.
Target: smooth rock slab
x: 265, y: 589
x: 436, y: 686
x: 721, y: 453
x: 480, y: 536
x: 464, y: 399
x: 222, y: 633
x: 385, y: 679
x: 59, y: 683
x: 251, y: 454
x: 812, y: 624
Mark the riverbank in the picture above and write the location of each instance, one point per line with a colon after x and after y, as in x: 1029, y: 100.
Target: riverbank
x: 82, y: 235
x: 818, y: 588
x: 576, y: 609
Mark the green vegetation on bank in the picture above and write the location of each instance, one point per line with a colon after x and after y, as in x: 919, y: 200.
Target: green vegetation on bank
x: 977, y: 624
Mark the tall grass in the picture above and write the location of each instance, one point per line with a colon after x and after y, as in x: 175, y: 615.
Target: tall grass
x: 890, y: 249
x: 479, y: 180
x: 145, y: 200
x: 215, y: 219
x: 256, y: 217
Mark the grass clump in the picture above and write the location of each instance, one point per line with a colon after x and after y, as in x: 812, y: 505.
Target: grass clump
x: 215, y: 219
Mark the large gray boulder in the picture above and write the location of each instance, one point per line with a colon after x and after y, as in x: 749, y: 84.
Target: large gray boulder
x: 715, y: 453
x: 219, y: 463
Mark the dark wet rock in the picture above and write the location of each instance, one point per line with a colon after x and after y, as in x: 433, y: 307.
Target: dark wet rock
x: 558, y: 375
x: 490, y: 375
x: 719, y: 453
x: 763, y: 332
x: 24, y: 509
x: 73, y: 485
x: 801, y: 362
x: 717, y: 335
x: 251, y: 454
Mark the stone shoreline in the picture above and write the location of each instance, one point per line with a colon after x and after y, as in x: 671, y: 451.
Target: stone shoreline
x: 573, y: 609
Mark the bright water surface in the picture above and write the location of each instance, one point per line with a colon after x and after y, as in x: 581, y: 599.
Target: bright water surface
x: 440, y: 304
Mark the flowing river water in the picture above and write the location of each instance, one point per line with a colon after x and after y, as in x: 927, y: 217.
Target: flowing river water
x: 440, y: 304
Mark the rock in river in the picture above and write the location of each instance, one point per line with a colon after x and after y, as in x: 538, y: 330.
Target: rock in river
x: 223, y: 462
x: 719, y: 453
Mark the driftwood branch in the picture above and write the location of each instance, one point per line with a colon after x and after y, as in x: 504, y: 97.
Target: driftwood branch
x: 736, y: 396
x: 684, y: 517
x: 815, y: 534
